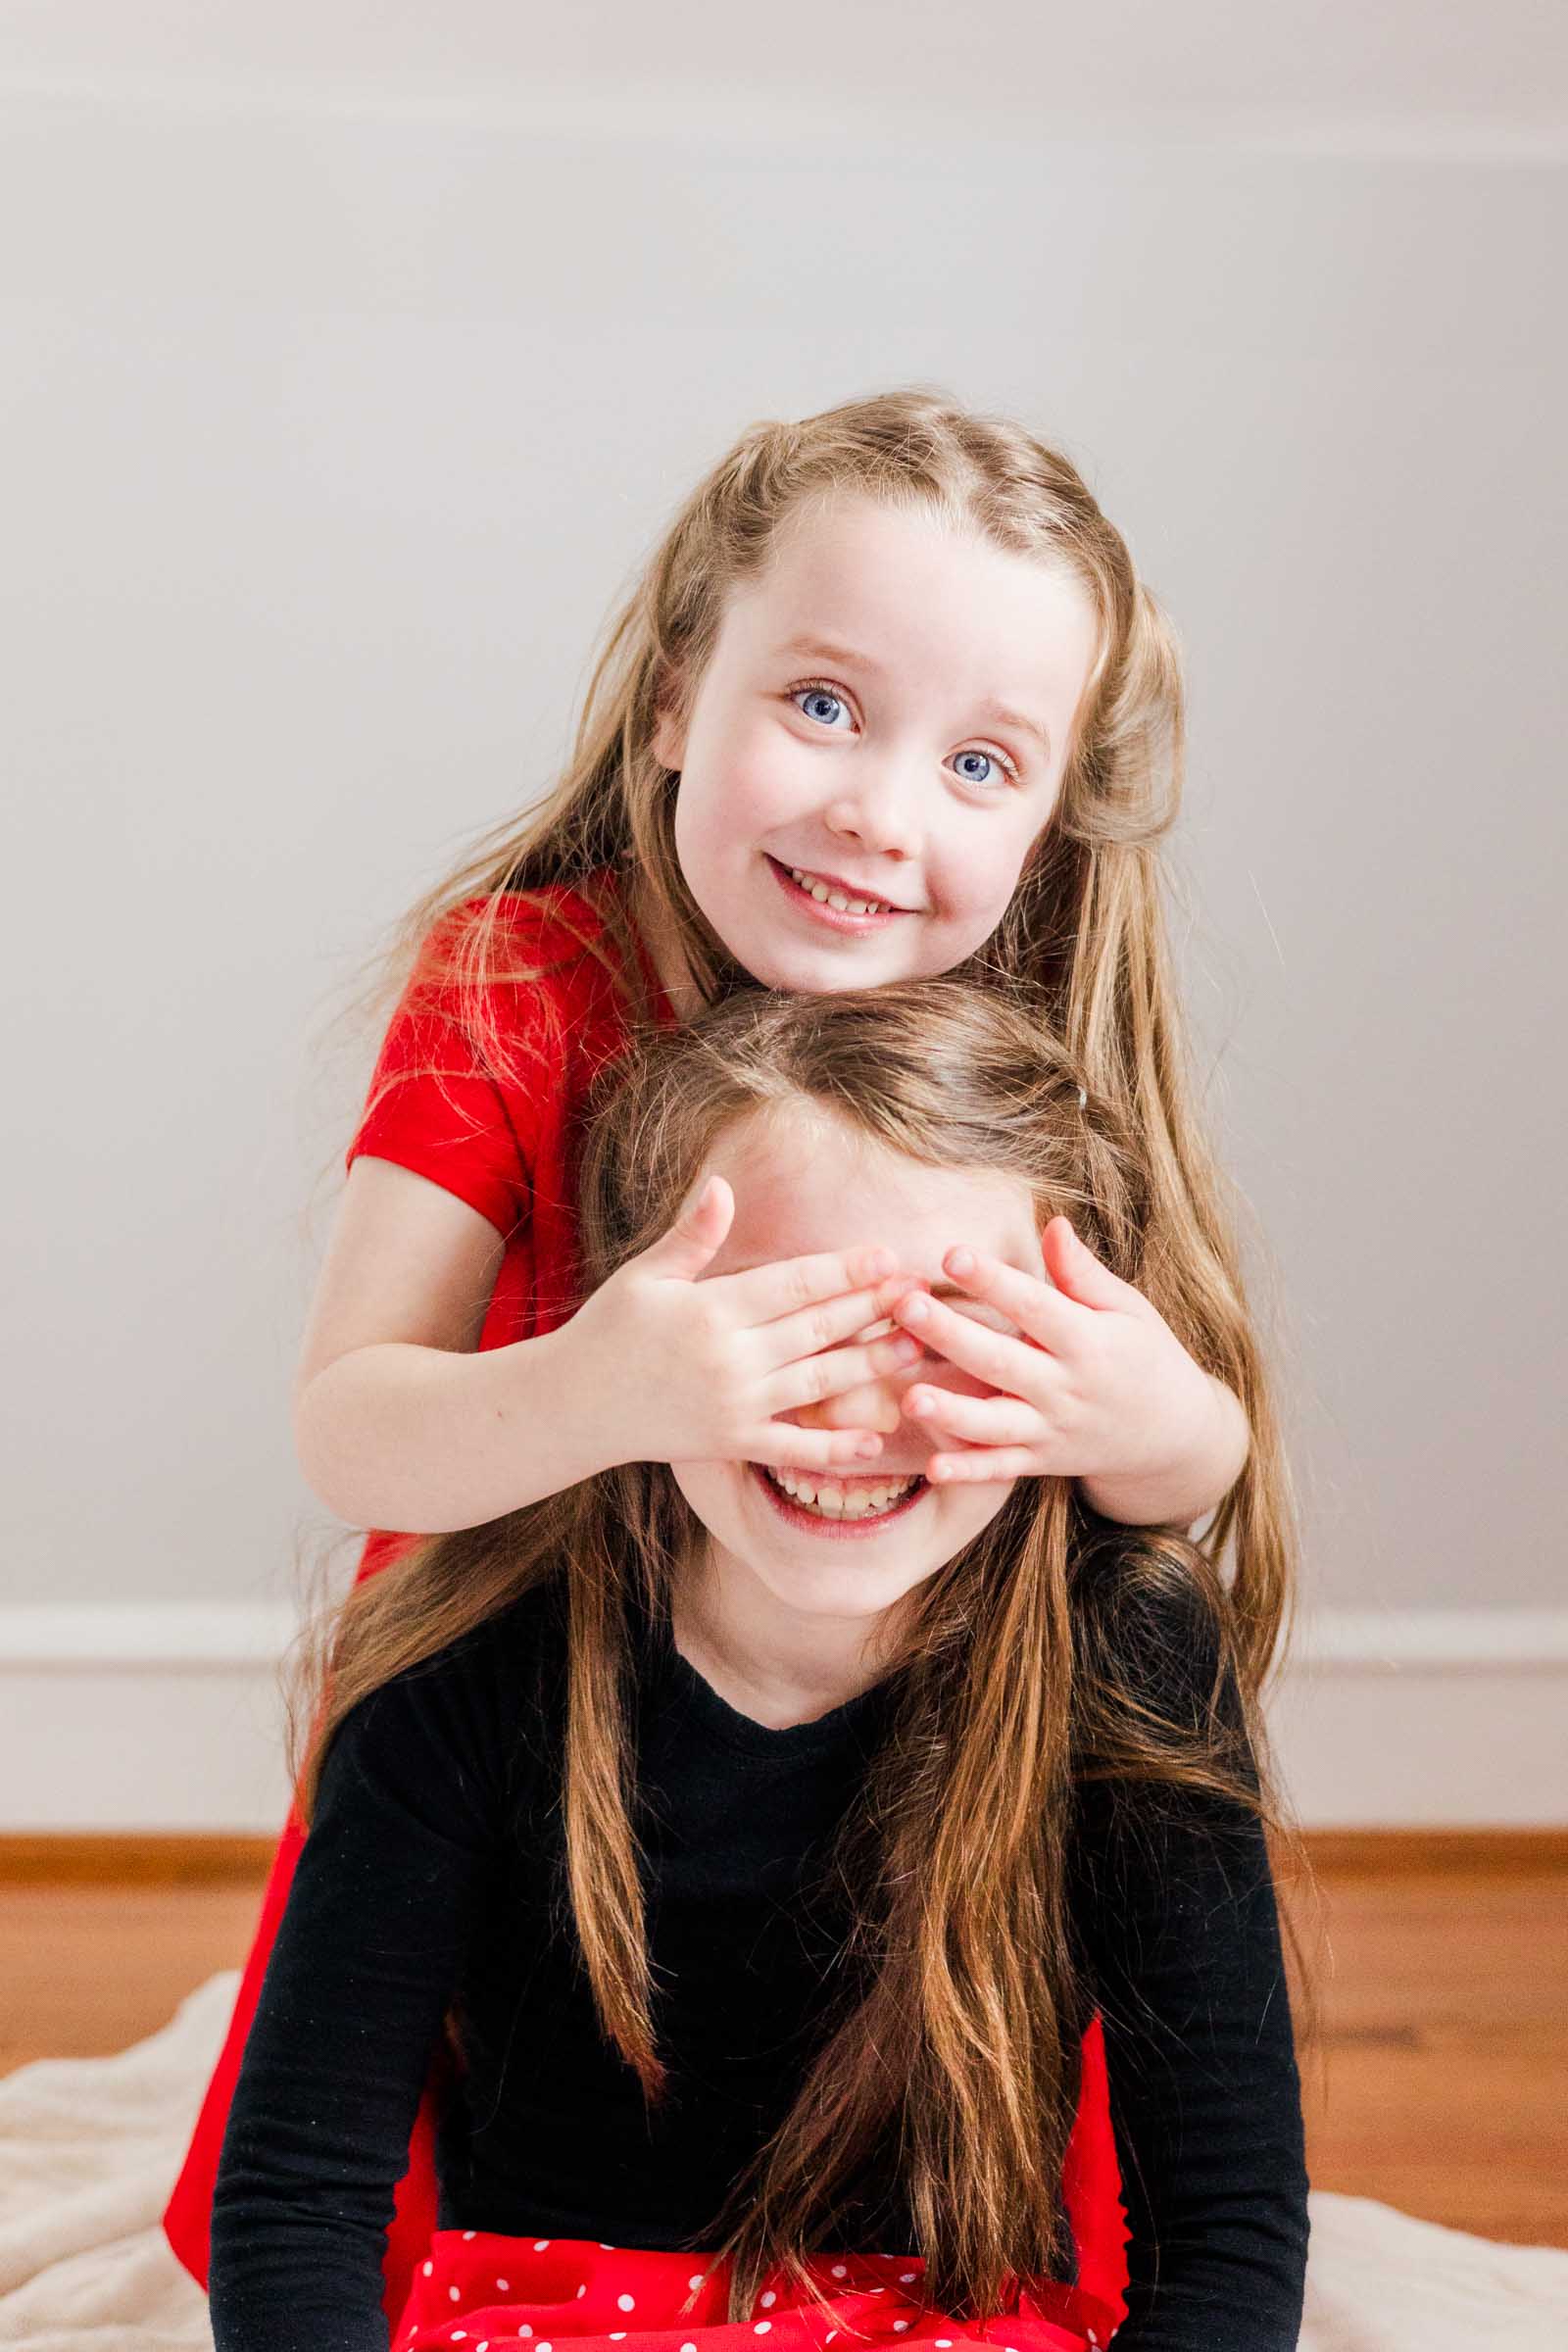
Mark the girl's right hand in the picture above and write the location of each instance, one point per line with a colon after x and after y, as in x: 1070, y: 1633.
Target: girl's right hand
x: 696, y: 1370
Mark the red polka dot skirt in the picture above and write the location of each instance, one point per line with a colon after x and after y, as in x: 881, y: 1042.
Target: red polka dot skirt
x: 482, y: 2293
x: 486, y: 2293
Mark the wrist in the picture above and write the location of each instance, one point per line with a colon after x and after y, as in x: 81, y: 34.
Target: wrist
x: 1188, y: 1484
x: 579, y: 1391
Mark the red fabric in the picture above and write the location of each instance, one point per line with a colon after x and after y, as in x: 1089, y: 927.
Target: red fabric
x: 520, y: 2294
x: 508, y: 1150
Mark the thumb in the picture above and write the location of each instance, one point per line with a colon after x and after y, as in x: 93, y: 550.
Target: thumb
x: 705, y: 1218
x: 1074, y: 1268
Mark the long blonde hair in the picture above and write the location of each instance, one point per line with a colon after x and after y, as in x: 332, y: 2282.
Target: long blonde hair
x: 1086, y: 926
x: 1021, y: 1663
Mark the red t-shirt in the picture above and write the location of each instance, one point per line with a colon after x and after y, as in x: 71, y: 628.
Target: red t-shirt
x: 509, y: 1147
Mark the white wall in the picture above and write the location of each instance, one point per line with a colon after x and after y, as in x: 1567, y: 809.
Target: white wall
x: 349, y: 374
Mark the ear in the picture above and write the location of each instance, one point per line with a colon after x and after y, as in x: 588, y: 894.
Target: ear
x: 668, y: 738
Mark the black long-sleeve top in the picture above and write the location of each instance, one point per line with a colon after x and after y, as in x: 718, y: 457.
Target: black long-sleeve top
x: 433, y: 1880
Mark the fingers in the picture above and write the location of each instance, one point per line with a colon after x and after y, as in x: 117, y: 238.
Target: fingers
x: 698, y: 1231
x: 981, y: 1466
x: 783, y: 1446
x: 823, y: 1325
x: 1045, y: 1314
x: 999, y: 1359
x: 978, y: 1420
x: 811, y: 1379
x: 789, y: 1284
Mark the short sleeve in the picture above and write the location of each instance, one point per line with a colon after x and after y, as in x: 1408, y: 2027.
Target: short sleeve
x: 432, y: 1107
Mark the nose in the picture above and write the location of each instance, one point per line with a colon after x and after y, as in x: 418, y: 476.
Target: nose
x: 880, y: 814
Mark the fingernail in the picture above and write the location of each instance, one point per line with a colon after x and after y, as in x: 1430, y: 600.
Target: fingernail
x: 916, y: 1308
x: 905, y: 1351
x: 961, y: 1262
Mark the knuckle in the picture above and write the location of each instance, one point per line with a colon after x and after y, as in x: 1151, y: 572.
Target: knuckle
x: 820, y: 1326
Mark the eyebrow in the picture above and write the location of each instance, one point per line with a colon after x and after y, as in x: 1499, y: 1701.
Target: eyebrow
x: 825, y: 649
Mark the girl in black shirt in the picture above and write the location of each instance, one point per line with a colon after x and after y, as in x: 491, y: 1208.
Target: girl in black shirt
x: 822, y: 1884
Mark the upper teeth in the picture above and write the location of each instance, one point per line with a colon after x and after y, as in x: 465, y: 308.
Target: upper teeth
x: 819, y: 889
x: 831, y: 1500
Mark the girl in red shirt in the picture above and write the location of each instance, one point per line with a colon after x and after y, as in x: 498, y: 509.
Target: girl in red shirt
x: 888, y: 700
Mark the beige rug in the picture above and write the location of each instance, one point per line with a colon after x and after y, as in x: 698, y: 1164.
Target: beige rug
x: 89, y: 2146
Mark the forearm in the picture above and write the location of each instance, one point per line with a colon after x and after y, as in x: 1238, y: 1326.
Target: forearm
x: 398, y: 1869
x: 427, y: 1440
x: 1191, y: 1485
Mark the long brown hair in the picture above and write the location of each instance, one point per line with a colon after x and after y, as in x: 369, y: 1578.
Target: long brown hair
x: 960, y: 2012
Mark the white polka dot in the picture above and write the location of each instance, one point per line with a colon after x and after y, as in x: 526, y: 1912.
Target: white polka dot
x: 468, y: 2238
x: 543, y: 2347
x: 697, y: 2282
x: 539, y: 2244
x: 831, y: 2333
x: 502, y: 2286
x: 582, y: 2290
x: 429, y: 2268
x: 840, y: 2270
x: 605, y: 2246
x: 898, y: 2326
x: 905, y: 2276
x: 768, y: 2300
x: 484, y: 2345
x: 762, y: 2327
x: 456, y: 2292
x: 617, y: 2335
x: 625, y: 2302
x: 526, y: 2329
x: 688, y: 2348
x: 944, y: 2343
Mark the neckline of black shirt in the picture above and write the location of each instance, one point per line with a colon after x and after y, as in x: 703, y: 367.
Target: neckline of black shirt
x: 664, y: 1669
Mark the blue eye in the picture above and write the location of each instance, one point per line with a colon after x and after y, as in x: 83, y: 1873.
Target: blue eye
x: 995, y: 758
x: 820, y: 694
x: 820, y: 691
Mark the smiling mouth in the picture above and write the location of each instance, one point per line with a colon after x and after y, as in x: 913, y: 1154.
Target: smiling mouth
x: 835, y: 895
x: 839, y: 1502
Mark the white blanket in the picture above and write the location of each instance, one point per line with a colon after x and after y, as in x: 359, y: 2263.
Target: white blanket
x: 89, y: 2148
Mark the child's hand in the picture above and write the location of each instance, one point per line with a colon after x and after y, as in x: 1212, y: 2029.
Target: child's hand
x: 1092, y: 1381
x: 693, y: 1370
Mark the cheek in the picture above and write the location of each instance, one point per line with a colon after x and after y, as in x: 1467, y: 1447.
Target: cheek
x: 711, y: 1490
x: 981, y: 881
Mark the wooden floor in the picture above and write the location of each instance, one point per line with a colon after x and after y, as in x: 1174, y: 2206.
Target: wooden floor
x: 1440, y: 2084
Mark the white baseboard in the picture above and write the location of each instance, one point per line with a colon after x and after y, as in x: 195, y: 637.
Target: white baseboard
x: 167, y: 1717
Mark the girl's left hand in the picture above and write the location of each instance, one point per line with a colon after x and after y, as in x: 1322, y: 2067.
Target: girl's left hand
x: 1093, y: 1383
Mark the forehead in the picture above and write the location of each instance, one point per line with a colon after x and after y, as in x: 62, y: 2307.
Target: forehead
x: 921, y: 597
x: 805, y: 1181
